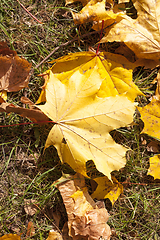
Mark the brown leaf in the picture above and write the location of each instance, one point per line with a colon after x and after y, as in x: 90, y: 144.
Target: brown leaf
x: 153, y: 147
x: 93, y: 225
x: 14, y: 71
x: 85, y: 219
x: 30, y: 207
x: 33, y: 114
x: 30, y: 230
x: 26, y: 100
x: 4, y: 50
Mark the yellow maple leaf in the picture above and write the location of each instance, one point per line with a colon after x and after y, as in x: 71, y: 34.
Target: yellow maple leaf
x: 95, y: 10
x: 150, y: 114
x: 83, y: 120
x: 154, y: 168
x: 107, y: 189
x: 113, y: 71
x: 141, y: 35
x: 10, y: 237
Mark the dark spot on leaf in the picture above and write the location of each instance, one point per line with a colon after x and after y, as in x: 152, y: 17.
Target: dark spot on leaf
x: 64, y: 141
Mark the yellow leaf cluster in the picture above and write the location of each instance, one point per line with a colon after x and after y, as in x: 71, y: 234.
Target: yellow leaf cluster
x: 141, y: 35
x: 83, y: 103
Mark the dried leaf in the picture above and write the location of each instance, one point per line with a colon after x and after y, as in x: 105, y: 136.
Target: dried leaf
x: 4, y: 50
x: 10, y: 237
x: 30, y: 229
x: 90, y: 223
x: 154, y: 169
x: 14, y: 71
x: 34, y: 115
x: 95, y: 11
x: 153, y: 147
x: 107, y: 189
x: 141, y: 35
x: 30, y: 207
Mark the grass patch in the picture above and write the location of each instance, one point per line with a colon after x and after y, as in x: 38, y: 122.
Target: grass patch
x: 25, y: 173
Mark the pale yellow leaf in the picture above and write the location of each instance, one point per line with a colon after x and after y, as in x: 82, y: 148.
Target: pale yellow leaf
x: 154, y: 168
x: 83, y: 120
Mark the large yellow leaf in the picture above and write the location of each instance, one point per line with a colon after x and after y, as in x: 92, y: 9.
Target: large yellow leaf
x: 83, y: 121
x: 107, y: 189
x: 113, y: 71
x: 141, y: 35
x: 154, y: 168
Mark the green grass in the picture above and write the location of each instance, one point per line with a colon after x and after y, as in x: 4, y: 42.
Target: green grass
x: 27, y: 173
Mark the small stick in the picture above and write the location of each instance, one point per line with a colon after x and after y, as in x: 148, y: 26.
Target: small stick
x: 29, y: 12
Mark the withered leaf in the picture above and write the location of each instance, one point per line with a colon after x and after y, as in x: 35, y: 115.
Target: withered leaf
x: 14, y: 71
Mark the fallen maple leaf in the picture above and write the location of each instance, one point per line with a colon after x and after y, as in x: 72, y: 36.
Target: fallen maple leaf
x: 154, y: 169
x: 10, y: 237
x: 85, y: 220
x: 14, y: 71
x: 83, y: 122
x: 150, y: 115
x: 95, y: 10
x: 107, y: 189
x: 141, y: 35
x: 113, y: 71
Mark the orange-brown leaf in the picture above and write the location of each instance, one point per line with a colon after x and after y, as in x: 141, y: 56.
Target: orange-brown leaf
x: 14, y: 71
x: 34, y: 115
